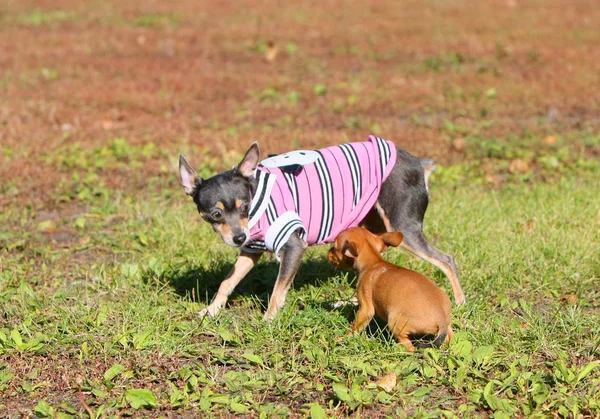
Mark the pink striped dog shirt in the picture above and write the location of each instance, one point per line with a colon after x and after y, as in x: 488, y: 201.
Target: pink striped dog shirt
x: 321, y: 192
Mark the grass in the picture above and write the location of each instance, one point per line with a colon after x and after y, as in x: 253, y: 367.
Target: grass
x: 104, y: 262
x: 99, y: 306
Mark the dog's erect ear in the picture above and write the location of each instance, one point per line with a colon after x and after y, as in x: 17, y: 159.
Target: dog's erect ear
x: 350, y: 250
x: 249, y: 162
x: 392, y: 239
x: 189, y: 179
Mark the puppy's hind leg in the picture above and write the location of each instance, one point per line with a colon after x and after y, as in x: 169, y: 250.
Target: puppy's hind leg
x: 290, y: 255
x: 242, y: 266
x: 405, y: 340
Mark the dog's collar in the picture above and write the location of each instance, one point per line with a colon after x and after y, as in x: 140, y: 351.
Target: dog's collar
x: 260, y: 201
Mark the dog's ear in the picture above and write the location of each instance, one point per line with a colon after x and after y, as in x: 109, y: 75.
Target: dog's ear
x: 350, y: 250
x: 392, y: 239
x: 249, y: 162
x: 188, y: 176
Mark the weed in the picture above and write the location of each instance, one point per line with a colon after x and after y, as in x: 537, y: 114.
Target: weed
x: 166, y: 264
x: 41, y: 17
x: 156, y: 19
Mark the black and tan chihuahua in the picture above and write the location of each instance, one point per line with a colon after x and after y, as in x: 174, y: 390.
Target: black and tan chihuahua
x: 227, y: 201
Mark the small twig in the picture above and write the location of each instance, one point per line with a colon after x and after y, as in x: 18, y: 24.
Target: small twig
x: 85, y: 406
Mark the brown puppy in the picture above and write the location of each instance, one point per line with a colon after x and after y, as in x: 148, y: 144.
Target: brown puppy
x: 411, y: 304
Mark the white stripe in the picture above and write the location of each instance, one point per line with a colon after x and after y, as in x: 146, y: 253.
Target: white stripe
x: 381, y: 154
x: 291, y: 180
x: 275, y: 232
x: 388, y: 152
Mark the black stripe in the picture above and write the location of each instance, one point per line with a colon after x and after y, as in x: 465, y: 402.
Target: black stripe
x: 291, y: 182
x: 331, y: 200
x: 258, y: 244
x: 388, y: 152
x: 358, y: 174
x: 327, y: 213
x: 271, y: 217
x: 323, y: 199
x: 282, y: 233
x: 262, y: 192
x: 353, y: 172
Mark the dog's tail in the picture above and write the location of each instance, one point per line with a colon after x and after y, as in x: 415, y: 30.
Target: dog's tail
x: 428, y: 168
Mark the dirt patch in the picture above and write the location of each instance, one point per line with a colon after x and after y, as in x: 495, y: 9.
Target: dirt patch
x: 203, y: 78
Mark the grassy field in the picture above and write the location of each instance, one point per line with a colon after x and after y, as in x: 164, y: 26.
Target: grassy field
x: 104, y: 261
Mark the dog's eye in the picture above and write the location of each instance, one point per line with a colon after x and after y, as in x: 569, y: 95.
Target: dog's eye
x: 216, y: 215
x: 244, y: 209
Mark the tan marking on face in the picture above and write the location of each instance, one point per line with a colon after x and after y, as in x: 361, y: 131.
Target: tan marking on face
x: 244, y: 223
x: 220, y: 205
x: 224, y: 230
x: 238, y: 203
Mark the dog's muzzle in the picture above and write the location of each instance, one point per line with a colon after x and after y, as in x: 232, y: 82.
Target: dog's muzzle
x: 239, y: 239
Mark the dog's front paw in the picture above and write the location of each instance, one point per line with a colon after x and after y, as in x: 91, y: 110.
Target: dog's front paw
x: 210, y: 311
x: 269, y: 315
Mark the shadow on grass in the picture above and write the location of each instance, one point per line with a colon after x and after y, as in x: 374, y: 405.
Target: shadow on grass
x: 200, y: 283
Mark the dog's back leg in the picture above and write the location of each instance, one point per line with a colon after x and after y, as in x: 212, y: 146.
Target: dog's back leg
x: 402, y: 204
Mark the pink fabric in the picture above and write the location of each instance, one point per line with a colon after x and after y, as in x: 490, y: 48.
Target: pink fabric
x: 333, y: 193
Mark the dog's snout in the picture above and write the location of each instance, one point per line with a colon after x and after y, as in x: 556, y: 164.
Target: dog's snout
x: 239, y: 239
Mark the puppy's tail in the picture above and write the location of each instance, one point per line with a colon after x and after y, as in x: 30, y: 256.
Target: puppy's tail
x: 445, y: 333
x: 441, y: 336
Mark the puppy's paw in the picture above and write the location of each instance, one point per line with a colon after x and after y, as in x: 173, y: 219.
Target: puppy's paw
x: 343, y: 303
x: 344, y: 336
x: 210, y: 311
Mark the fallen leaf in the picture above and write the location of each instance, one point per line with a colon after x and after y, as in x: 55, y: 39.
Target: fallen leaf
x: 494, y: 179
x: 388, y: 381
x: 47, y: 226
x: 518, y: 166
x: 530, y: 225
x: 459, y: 144
x: 550, y: 140
x: 568, y: 299
x: 271, y: 51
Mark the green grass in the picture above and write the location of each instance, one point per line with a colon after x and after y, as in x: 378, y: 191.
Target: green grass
x: 99, y: 301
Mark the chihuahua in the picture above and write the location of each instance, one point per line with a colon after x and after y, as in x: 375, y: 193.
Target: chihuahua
x: 290, y: 201
x: 411, y: 304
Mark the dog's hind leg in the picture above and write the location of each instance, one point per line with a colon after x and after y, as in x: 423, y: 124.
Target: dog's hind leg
x: 242, y: 266
x: 402, y: 204
x: 416, y: 243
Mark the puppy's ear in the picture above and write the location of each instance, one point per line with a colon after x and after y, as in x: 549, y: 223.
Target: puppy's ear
x: 249, y: 162
x: 350, y: 250
x: 188, y: 176
x: 392, y: 239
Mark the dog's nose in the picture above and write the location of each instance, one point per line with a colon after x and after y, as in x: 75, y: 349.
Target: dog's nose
x: 239, y: 239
